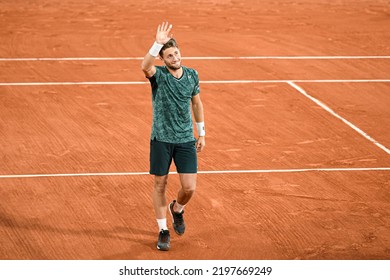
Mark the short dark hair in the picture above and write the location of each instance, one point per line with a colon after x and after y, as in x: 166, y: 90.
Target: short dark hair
x: 170, y: 44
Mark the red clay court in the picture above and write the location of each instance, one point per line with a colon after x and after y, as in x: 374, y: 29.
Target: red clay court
x: 297, y: 108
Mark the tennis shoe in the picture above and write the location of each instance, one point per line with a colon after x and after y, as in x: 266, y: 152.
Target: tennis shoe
x: 178, y: 221
x: 164, y: 240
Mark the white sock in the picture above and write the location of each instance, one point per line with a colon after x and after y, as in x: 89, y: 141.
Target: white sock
x: 179, y: 207
x: 162, y: 224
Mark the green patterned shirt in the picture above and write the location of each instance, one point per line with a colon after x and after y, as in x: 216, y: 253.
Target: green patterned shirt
x: 171, y: 100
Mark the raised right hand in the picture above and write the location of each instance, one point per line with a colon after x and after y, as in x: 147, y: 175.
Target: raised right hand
x: 162, y: 35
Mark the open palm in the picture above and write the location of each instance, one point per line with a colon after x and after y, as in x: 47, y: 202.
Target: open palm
x: 162, y: 35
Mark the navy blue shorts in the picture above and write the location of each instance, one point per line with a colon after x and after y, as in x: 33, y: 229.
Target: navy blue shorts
x: 161, y: 155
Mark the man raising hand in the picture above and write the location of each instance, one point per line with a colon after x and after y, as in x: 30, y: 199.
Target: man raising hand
x: 175, y: 90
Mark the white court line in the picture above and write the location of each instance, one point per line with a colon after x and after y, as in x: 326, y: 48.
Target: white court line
x: 72, y: 83
x: 298, y: 170
x: 326, y: 57
x: 329, y: 110
x: 202, y: 82
x: 297, y: 81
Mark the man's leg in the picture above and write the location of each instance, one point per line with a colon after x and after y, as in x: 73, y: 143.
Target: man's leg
x: 160, y: 208
x: 188, y: 186
x: 176, y: 207
x: 159, y: 196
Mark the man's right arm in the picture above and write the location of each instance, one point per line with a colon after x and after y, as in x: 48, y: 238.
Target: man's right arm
x: 162, y: 36
x: 148, y: 65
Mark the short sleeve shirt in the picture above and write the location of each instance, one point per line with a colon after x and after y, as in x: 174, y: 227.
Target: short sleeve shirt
x: 171, y: 100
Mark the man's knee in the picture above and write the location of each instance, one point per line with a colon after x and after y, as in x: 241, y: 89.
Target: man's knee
x: 188, y: 184
x: 189, y: 191
x: 160, y: 183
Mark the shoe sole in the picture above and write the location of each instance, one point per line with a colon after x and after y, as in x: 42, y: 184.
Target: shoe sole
x: 170, y: 211
x: 163, y: 249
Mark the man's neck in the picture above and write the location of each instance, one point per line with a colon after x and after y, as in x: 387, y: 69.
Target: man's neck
x: 176, y: 73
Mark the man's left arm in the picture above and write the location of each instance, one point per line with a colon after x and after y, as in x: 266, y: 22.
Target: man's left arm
x: 197, y: 108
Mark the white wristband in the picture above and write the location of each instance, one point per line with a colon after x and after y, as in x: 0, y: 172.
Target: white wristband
x: 155, y: 49
x: 201, y: 129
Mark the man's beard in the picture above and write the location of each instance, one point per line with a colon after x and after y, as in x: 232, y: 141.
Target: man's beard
x: 174, y: 67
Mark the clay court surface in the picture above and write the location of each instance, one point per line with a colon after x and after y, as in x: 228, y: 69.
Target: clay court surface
x: 297, y: 107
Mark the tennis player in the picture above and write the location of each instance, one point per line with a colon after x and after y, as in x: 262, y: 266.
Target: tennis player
x: 175, y: 89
